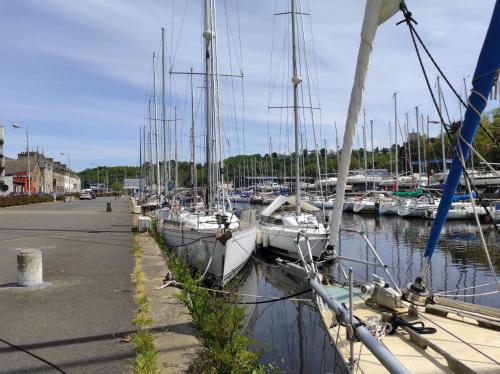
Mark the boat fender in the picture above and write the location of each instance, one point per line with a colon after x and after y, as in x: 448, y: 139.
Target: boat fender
x: 396, y: 321
x: 224, y: 235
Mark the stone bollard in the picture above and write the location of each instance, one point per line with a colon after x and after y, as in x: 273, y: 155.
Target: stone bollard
x: 108, y: 207
x: 29, y: 267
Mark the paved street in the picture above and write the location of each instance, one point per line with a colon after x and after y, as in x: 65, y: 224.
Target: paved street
x: 77, y: 319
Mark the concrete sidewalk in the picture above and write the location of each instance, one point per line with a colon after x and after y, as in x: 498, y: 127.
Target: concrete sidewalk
x: 77, y: 319
x: 175, y: 335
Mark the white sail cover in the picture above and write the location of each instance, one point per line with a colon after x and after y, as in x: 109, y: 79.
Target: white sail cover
x: 286, y: 200
x: 376, y: 13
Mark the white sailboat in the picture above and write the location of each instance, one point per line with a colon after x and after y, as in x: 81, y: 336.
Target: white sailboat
x: 211, y: 239
x: 279, y: 229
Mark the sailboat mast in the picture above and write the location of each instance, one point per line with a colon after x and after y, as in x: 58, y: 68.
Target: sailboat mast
x: 158, y: 184
x: 365, y: 157
x: 426, y: 167
x: 194, y: 176
x: 390, y: 146
x: 296, y: 81
x: 373, y: 154
x: 176, y: 154
x: 418, y: 144
x: 208, y: 35
x: 150, y: 155
x: 166, y: 171
x: 443, y: 149
x: 140, y: 158
x: 396, y: 139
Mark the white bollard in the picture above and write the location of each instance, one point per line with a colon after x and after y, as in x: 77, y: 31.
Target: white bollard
x: 29, y: 267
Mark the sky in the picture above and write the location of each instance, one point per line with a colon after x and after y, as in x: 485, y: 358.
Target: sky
x: 78, y: 74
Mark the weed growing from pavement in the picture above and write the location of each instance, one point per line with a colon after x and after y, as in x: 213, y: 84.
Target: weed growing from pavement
x: 143, y: 341
x: 219, y: 321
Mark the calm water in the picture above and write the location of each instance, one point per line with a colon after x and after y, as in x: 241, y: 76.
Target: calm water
x: 293, y: 327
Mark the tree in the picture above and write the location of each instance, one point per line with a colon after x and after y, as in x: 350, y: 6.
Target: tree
x: 117, y: 186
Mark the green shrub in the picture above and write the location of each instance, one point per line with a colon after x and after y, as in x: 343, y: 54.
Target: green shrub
x: 219, y: 321
x: 14, y: 200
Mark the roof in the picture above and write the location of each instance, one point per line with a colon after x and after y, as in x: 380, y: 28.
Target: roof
x: 19, y: 166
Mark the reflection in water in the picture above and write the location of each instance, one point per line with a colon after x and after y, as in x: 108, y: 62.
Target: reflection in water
x: 294, y: 328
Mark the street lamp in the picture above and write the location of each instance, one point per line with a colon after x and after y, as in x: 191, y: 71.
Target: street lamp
x: 69, y: 168
x: 26, y: 129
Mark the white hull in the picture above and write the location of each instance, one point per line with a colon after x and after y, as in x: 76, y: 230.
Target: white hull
x: 388, y: 209
x: 364, y: 206
x: 281, y: 239
x: 199, y: 247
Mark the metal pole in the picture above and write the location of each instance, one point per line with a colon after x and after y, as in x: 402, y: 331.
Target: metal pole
x: 443, y: 149
x: 296, y: 80
x: 166, y: 173
x: 29, y: 164
x: 351, y: 332
x: 158, y: 182
x: 418, y: 144
x: 386, y: 357
x: 373, y: 155
x: 208, y: 35
x: 176, y: 142
x: 390, y: 148
x: 194, y: 179
x: 364, y: 150
x: 396, y: 138
x: 140, y: 158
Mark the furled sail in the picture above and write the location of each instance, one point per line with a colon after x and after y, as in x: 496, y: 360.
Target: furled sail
x: 376, y: 13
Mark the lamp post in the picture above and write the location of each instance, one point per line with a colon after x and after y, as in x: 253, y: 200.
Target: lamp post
x: 69, y: 169
x: 26, y: 129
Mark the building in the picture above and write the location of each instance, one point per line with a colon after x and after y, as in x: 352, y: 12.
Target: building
x: 21, y: 176
x: 131, y: 186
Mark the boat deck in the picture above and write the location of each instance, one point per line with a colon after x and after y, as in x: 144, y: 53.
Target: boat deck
x: 459, y: 345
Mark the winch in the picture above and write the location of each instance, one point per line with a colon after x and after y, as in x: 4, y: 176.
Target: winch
x: 381, y: 293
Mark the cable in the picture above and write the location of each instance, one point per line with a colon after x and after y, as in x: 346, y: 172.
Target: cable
x: 274, y: 300
x: 33, y: 355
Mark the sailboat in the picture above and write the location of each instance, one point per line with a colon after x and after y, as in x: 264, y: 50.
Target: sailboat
x: 279, y: 226
x: 408, y: 329
x: 211, y: 239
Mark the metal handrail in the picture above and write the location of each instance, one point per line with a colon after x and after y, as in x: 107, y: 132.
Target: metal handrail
x: 346, y: 316
x: 375, y: 253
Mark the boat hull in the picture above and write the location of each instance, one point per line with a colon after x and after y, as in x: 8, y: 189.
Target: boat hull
x: 206, y: 253
x: 281, y: 240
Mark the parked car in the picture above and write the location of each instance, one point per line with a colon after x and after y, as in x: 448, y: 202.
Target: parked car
x: 85, y: 195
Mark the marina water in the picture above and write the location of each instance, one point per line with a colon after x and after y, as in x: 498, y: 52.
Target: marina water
x: 293, y: 328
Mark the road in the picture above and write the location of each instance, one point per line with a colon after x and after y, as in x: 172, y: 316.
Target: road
x: 77, y: 318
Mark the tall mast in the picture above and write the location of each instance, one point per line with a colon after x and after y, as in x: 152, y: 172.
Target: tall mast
x: 166, y: 169
x: 364, y: 150
x: 396, y: 139
x: 418, y: 144
x: 145, y: 173
x: 176, y: 154
x: 390, y: 146
x: 158, y: 183
x: 443, y: 149
x: 140, y: 158
x: 296, y: 81
x: 426, y: 167
x: 326, y: 160
x: 150, y: 155
x: 408, y: 144
x: 373, y: 155
x: 208, y: 35
x: 194, y: 177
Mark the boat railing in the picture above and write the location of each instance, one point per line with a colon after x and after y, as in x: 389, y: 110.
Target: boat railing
x: 355, y: 328
x: 375, y: 253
